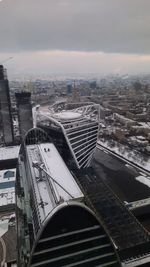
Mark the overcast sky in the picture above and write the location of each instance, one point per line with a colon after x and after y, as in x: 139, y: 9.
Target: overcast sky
x: 75, y: 36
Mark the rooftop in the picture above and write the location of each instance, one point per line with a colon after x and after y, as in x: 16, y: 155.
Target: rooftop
x: 67, y: 115
x: 54, y: 183
x: 10, y: 152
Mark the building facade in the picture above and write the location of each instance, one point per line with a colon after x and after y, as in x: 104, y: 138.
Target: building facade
x: 54, y: 226
x: 5, y: 108
x: 79, y: 127
x: 24, y: 112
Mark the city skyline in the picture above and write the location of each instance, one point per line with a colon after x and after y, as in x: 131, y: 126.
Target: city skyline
x: 82, y: 36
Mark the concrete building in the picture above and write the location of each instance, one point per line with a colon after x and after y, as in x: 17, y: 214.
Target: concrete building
x: 24, y: 112
x: 5, y: 107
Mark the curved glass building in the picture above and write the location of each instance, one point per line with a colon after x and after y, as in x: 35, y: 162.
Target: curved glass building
x: 54, y: 226
x: 78, y: 128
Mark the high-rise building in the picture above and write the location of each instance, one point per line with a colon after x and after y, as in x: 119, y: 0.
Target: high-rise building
x: 54, y: 226
x: 5, y: 106
x: 79, y: 127
x: 24, y: 112
x: 69, y: 216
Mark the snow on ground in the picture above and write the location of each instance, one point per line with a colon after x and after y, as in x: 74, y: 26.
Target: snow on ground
x: 127, y: 153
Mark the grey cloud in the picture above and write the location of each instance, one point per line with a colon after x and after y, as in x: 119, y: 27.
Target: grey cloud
x: 115, y: 26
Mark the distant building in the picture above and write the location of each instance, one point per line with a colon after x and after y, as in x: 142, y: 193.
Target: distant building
x: 24, y: 112
x: 123, y: 120
x: 69, y: 89
x: 74, y: 97
x: 77, y: 128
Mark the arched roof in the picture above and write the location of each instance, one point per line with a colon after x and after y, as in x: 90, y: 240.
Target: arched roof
x: 36, y: 135
x: 72, y: 236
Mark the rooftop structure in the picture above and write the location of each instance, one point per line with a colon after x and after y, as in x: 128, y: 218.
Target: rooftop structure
x: 7, y: 189
x: 79, y: 127
x: 54, y: 227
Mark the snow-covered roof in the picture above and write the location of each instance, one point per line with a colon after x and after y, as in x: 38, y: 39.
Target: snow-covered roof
x: 67, y: 115
x: 145, y: 124
x: 7, y: 196
x: 138, y: 139
x: 10, y: 152
x: 123, y: 118
x: 59, y: 171
x: 47, y: 156
x: 142, y: 125
x: 80, y: 128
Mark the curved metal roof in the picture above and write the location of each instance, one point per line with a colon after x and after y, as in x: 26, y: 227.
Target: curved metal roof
x: 72, y: 236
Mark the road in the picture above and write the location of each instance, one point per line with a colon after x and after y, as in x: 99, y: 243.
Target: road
x: 120, y: 176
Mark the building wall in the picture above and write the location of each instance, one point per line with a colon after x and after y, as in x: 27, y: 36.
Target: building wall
x: 24, y: 112
x: 6, y: 112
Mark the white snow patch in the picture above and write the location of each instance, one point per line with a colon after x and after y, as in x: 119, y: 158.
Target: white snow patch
x: 67, y: 115
x: 143, y: 180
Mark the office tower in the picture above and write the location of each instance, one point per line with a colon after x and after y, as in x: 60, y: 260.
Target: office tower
x: 79, y: 127
x: 5, y: 105
x: 24, y: 112
x: 54, y: 226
